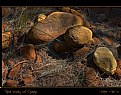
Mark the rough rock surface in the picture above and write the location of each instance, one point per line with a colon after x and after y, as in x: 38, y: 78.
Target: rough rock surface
x: 12, y: 83
x: 28, y: 52
x: 53, y: 26
x: 6, y: 39
x: 78, y: 13
x: 105, y: 60
x: 78, y: 35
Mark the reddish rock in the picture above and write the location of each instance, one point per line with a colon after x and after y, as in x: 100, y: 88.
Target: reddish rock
x: 78, y: 35
x: 6, y: 39
x: 12, y: 83
x: 78, y: 13
x: 118, y: 69
x: 28, y: 52
x: 108, y: 40
x: 39, y: 59
x: 53, y: 26
x: 14, y: 72
x: 28, y: 80
x: 92, y: 80
x: 81, y: 52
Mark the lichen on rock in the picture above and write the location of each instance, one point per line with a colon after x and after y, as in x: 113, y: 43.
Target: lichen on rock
x: 78, y: 35
x: 105, y: 60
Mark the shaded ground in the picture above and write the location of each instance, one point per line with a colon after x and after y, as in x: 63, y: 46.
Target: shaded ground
x: 60, y: 69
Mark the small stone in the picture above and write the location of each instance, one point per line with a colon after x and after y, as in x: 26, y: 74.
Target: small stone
x: 28, y: 80
x: 28, y: 52
x: 52, y: 27
x: 41, y: 17
x: 39, y: 59
x: 6, y: 39
x: 92, y: 80
x: 105, y: 60
x: 81, y: 52
x: 60, y: 47
x: 78, y: 35
x: 14, y: 72
x: 12, y: 83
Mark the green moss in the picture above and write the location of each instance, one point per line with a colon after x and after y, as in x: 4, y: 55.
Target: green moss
x: 22, y: 21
